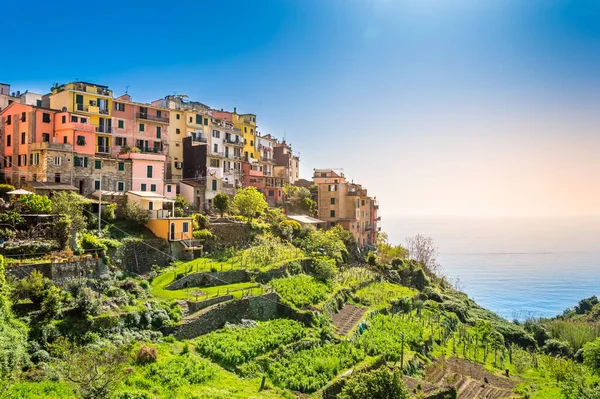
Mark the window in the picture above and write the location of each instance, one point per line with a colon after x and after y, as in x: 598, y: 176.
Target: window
x: 23, y: 138
x: 252, y: 143
x: 153, y: 187
x: 245, y: 129
x: 216, y: 134
x: 120, y: 186
x: 185, y: 227
x: 215, y: 163
x: 121, y: 141
x: 332, y: 187
x: 121, y: 124
x: 8, y: 119
x: 168, y: 188
x: 141, y: 127
x: 23, y: 116
x: 143, y: 187
x: 97, y: 164
x: 8, y: 140
x: 332, y: 213
x: 158, y: 113
x: 198, y: 119
x: 214, y: 185
x: 65, y: 140
x: 45, y: 137
x: 215, y: 148
x: 80, y: 140
x: 57, y: 161
x: 363, y: 202
x: 8, y: 162
x: 46, y: 117
x: 191, y: 119
x: 149, y: 171
x: 271, y: 193
x: 177, y: 130
x: 34, y: 159
x: 206, y: 121
x: 19, y: 161
x: 150, y: 206
x: 177, y: 116
x: 74, y: 119
x: 96, y: 184
x: 57, y: 178
x: 332, y: 201
x: 158, y: 132
x: 120, y: 107
x: 121, y: 166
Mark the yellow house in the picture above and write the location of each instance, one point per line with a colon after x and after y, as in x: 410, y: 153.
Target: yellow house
x: 246, y: 123
x: 162, y: 222
x: 88, y: 100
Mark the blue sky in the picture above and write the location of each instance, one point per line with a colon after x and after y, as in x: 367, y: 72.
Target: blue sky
x: 437, y: 106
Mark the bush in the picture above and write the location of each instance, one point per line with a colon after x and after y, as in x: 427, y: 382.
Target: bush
x: 556, y: 347
x: 202, y: 234
x: 591, y: 355
x: 372, y: 259
x: 133, y: 213
x: 382, y: 383
x: 5, y: 188
x: 200, y: 221
x: 324, y: 268
x: 30, y: 247
x: 146, y: 354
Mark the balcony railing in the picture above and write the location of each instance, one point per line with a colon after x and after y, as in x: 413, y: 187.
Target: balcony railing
x: 268, y: 159
x: 151, y: 150
x: 199, y: 139
x: 217, y: 154
x: 101, y: 149
x: 155, y: 118
x: 234, y: 142
x: 353, y: 193
x: 104, y: 129
x: 50, y: 146
x: 91, y: 109
x: 160, y: 214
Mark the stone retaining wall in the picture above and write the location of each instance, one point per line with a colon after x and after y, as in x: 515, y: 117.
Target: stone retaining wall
x: 63, y: 272
x: 262, y: 307
x: 194, y: 307
x: 208, y: 279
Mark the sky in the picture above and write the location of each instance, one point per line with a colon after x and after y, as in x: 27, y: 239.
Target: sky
x: 438, y: 107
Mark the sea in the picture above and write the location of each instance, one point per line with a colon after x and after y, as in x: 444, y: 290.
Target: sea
x: 517, y: 267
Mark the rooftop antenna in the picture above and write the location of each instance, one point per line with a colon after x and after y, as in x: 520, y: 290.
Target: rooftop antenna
x: 126, y: 89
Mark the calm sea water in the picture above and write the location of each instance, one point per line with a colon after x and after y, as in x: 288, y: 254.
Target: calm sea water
x: 515, y: 267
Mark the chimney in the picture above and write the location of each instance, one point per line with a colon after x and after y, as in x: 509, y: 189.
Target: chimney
x: 18, y: 93
x: 235, y: 110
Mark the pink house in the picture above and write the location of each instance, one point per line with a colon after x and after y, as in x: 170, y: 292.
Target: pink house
x: 147, y: 171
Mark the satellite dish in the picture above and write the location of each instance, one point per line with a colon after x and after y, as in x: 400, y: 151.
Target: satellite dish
x: 64, y: 109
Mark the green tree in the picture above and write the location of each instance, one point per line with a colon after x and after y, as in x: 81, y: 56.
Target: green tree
x: 591, y: 355
x: 381, y: 383
x: 386, y: 252
x: 221, y: 202
x: 132, y: 212
x: 72, y: 206
x: 5, y: 188
x: 325, y: 242
x: 298, y: 199
x: 249, y: 202
x: 180, y: 205
x: 35, y: 204
x: 13, y: 334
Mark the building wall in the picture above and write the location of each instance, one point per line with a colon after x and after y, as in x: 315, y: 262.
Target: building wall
x: 161, y: 228
x: 139, y: 169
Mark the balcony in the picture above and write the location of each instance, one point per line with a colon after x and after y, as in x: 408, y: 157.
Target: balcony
x: 149, y: 150
x: 46, y: 145
x: 199, y: 139
x: 155, y: 118
x: 268, y: 159
x: 160, y: 214
x: 353, y: 193
x: 234, y: 142
x: 91, y: 109
x: 103, y: 129
x: 217, y: 154
x: 101, y: 149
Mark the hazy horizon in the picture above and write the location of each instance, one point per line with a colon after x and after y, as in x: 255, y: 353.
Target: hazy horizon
x: 470, y: 108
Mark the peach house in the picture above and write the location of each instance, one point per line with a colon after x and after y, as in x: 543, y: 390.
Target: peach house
x: 147, y: 172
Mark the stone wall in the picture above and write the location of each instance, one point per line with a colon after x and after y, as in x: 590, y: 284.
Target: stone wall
x: 63, y: 272
x: 137, y: 256
x: 230, y: 233
x: 208, y: 279
x: 194, y: 307
x: 262, y: 307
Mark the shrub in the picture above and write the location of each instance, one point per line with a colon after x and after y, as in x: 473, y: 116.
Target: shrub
x: 181, y: 370
x: 202, y: 234
x: 31, y: 247
x: 221, y: 202
x: 146, y: 354
x: 591, y: 355
x: 301, y: 290
x: 5, y: 188
x: 372, y: 259
x: 133, y: 213
x: 556, y: 347
x: 201, y: 221
x: 324, y: 268
x: 382, y: 383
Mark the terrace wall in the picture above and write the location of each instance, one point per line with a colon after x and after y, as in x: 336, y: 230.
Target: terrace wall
x: 61, y: 272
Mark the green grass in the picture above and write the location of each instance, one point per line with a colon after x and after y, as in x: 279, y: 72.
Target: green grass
x: 237, y: 290
x: 301, y: 290
x: 379, y: 295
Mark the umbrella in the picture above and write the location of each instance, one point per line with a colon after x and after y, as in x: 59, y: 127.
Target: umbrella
x: 19, y: 192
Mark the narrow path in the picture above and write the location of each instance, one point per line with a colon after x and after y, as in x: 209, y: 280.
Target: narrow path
x: 347, y: 317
